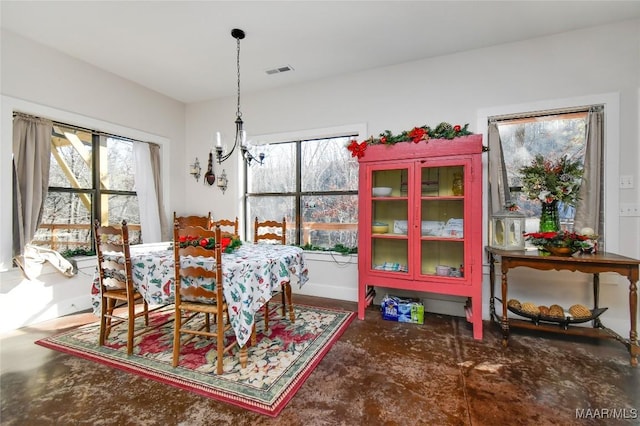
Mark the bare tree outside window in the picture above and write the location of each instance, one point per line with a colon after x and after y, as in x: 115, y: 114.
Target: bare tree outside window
x: 313, y: 183
x: 553, y: 137
x: 91, y: 176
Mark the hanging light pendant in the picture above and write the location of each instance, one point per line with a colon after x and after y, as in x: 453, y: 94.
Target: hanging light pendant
x: 240, y: 135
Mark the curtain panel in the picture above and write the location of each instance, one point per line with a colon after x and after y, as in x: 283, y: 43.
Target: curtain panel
x: 31, y: 160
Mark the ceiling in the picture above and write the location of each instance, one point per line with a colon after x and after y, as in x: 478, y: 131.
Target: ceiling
x: 184, y: 49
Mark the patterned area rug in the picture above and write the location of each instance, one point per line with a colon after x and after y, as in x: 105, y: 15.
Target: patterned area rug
x: 278, y: 364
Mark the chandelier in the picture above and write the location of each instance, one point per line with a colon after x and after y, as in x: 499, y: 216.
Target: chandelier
x: 241, y: 135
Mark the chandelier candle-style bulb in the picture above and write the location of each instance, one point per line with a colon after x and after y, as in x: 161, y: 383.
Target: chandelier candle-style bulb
x: 218, y: 140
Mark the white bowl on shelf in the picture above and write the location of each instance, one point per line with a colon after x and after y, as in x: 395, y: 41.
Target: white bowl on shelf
x: 381, y: 191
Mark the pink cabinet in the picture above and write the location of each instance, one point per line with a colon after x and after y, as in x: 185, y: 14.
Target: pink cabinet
x: 420, y: 221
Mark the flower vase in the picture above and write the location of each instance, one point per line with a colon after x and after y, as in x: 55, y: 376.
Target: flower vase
x: 549, y: 218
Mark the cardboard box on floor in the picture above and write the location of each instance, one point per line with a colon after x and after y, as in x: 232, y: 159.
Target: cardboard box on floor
x: 399, y: 309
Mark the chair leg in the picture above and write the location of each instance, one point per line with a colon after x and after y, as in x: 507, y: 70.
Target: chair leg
x: 111, y: 304
x: 131, y: 322
x: 103, y: 321
x: 220, y: 335
x: 177, y: 324
x: 284, y: 300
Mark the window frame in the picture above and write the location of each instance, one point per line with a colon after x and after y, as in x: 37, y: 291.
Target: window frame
x: 349, y: 131
x: 611, y: 152
x: 533, y: 117
x: 12, y: 104
x: 96, y: 192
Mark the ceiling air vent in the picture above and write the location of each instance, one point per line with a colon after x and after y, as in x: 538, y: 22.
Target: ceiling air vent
x: 277, y: 70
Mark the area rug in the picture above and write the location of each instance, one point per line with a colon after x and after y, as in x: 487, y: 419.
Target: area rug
x: 278, y: 364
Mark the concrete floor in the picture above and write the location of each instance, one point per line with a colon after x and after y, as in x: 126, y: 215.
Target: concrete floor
x: 378, y: 373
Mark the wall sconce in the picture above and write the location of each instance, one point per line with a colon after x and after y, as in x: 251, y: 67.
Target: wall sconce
x: 222, y: 181
x: 194, y: 169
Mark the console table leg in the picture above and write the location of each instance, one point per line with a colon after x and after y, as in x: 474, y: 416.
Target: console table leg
x: 505, y: 320
x: 596, y: 298
x: 492, y: 289
x: 634, y: 349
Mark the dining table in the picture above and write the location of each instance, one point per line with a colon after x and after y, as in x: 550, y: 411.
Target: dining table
x: 251, y: 274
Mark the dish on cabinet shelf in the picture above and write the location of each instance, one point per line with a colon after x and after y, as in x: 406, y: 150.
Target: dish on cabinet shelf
x: 381, y: 191
x: 391, y: 267
x: 379, y: 228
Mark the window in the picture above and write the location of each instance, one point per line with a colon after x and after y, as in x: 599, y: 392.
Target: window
x: 551, y: 134
x: 313, y: 183
x: 91, y: 175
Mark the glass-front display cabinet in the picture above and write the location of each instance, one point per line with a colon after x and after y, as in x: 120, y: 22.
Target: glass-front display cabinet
x: 420, y: 221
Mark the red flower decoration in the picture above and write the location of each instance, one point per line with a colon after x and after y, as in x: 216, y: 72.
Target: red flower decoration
x: 383, y: 139
x: 183, y: 239
x: 457, y: 128
x: 357, y: 149
x: 204, y: 242
x: 417, y: 134
x: 224, y: 243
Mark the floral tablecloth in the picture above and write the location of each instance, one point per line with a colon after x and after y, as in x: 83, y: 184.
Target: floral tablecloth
x: 250, y: 275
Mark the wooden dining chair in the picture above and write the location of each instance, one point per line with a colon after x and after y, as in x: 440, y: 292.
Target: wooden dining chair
x: 116, y: 283
x: 274, y: 232
x: 230, y: 227
x: 198, y: 292
x: 203, y: 221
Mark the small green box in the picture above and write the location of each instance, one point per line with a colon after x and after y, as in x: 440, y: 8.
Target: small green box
x: 412, y: 312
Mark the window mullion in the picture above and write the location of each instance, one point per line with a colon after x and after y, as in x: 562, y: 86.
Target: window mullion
x: 298, y: 214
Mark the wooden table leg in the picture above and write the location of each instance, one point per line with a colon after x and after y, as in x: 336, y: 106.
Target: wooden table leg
x: 244, y: 356
x: 596, y: 299
x: 634, y: 349
x: 505, y: 320
x: 492, y: 285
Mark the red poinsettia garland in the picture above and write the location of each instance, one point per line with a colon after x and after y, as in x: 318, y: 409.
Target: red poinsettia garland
x: 415, y: 135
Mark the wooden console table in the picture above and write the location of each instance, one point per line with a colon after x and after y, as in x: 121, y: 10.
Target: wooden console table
x: 587, y: 263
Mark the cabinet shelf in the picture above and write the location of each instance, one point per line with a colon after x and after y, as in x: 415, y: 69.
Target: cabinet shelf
x: 390, y: 236
x: 441, y: 197
x: 389, y: 198
x: 446, y: 239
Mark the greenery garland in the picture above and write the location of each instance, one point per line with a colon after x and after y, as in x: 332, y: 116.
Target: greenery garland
x: 78, y: 252
x: 340, y: 248
x: 422, y: 133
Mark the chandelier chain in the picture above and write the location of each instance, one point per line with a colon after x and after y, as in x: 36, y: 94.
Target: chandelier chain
x: 238, y: 113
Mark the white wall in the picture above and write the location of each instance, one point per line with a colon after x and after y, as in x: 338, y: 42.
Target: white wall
x: 455, y: 88
x: 40, y: 81
x: 600, y: 64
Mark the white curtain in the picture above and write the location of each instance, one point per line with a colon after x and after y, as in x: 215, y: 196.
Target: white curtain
x: 499, y: 192
x: 31, y: 160
x: 590, y: 206
x: 157, y: 178
x: 146, y: 188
